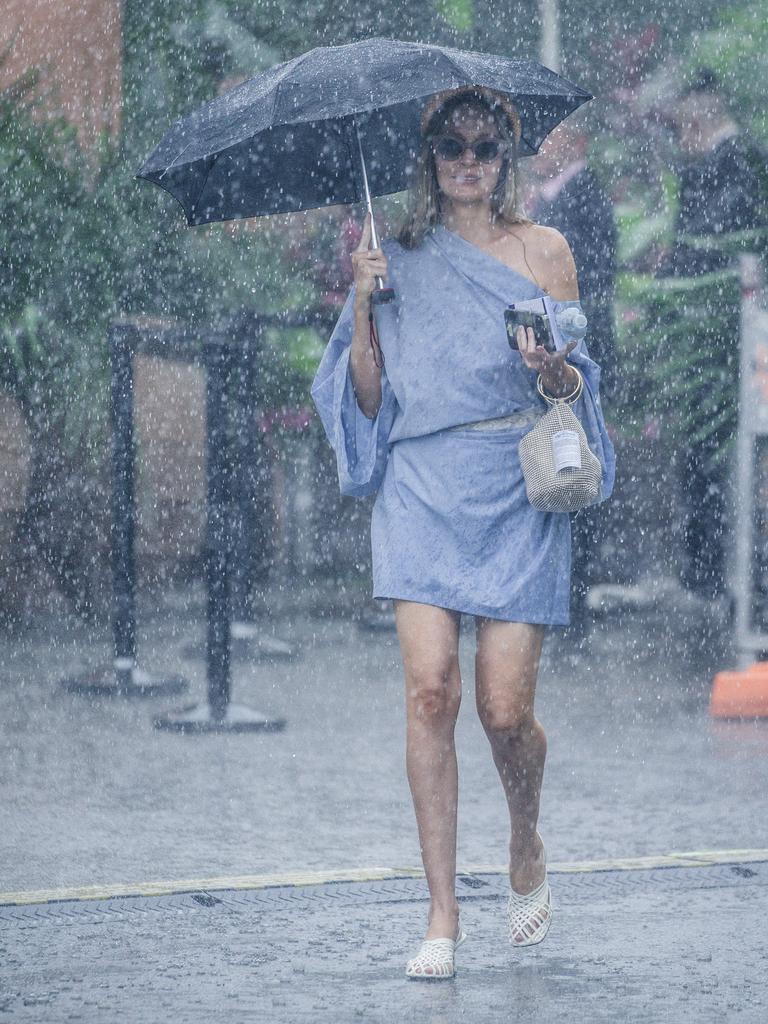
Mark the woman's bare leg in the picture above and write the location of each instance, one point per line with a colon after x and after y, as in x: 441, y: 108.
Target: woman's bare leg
x: 506, y: 668
x: 429, y: 646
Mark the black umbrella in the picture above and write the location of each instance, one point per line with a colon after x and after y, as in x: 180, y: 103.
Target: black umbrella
x: 335, y: 125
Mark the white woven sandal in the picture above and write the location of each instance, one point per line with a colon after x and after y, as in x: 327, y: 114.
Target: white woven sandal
x: 435, y: 958
x: 529, y: 915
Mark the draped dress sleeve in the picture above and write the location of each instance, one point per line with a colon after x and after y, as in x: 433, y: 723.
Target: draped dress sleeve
x: 360, y: 443
x: 588, y: 408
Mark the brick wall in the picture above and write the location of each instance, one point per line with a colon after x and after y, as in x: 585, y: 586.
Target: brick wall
x: 78, y: 49
x: 169, y: 397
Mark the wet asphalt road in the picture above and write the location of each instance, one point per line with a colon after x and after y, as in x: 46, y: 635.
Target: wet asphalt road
x: 91, y: 792
x: 674, y: 945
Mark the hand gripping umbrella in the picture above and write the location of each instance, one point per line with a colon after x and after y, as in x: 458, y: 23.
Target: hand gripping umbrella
x: 337, y: 124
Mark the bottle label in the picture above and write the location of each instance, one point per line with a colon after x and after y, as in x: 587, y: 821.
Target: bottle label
x: 566, y: 450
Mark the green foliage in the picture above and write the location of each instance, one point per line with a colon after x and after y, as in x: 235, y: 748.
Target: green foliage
x: 166, y: 69
x: 32, y: 159
x: 736, y: 48
x: 84, y: 246
x: 84, y: 242
x: 638, y: 228
x: 679, y: 350
x: 39, y: 282
x: 460, y: 14
x: 679, y: 337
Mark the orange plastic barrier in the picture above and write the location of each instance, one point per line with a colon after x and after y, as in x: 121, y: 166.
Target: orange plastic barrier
x: 741, y: 694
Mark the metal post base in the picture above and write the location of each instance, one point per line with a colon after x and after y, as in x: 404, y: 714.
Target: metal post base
x: 249, y: 643
x: 115, y: 681
x: 199, y: 718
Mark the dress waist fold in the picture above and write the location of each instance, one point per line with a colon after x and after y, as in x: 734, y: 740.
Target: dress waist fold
x: 515, y: 419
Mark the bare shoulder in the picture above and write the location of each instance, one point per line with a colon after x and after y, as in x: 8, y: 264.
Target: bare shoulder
x: 544, y: 239
x: 550, y: 255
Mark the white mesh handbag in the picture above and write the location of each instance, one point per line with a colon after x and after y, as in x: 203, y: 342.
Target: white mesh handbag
x: 561, y: 472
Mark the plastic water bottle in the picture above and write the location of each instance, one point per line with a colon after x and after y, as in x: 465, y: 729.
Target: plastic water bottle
x: 573, y: 321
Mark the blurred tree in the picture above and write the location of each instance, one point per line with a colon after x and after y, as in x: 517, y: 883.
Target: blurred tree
x: 736, y: 49
x: 83, y: 247
x: 680, y: 361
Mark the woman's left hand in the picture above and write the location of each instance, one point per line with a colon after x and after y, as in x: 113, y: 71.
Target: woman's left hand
x: 557, y: 376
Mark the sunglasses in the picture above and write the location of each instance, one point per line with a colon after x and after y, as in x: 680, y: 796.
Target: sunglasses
x: 485, y: 150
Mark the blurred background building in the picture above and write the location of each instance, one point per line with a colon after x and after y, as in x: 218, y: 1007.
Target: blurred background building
x: 77, y: 52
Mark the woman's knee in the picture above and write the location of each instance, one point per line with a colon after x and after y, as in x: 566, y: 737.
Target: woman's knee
x: 511, y: 721
x: 434, y: 694
x: 506, y: 670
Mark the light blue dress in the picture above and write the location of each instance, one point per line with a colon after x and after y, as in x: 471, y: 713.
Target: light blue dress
x: 451, y: 524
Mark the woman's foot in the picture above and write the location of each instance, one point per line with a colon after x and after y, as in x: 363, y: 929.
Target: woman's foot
x: 529, y: 916
x: 529, y: 910
x: 442, y: 924
x: 435, y: 958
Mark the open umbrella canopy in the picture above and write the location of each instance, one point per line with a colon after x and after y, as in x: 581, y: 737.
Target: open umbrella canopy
x: 291, y: 137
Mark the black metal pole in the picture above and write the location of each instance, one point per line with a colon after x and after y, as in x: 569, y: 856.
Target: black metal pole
x: 246, y: 449
x: 123, y: 526
x: 218, y: 713
x: 123, y: 676
x: 218, y: 359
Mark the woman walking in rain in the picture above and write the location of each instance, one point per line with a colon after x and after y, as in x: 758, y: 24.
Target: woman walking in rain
x: 426, y: 407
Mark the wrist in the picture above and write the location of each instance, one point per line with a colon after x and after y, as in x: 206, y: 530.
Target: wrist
x: 562, y: 382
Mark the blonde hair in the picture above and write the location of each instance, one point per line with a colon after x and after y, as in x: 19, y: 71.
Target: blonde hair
x: 425, y: 208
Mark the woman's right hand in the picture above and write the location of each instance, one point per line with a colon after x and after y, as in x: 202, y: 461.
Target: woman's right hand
x: 367, y: 264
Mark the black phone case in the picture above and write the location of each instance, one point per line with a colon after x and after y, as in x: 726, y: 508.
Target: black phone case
x: 542, y: 332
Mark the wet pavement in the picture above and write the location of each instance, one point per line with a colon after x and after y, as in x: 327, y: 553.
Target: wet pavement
x: 92, y: 793
x: 673, y: 944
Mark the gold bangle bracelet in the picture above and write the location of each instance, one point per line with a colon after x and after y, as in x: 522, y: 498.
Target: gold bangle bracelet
x: 570, y: 399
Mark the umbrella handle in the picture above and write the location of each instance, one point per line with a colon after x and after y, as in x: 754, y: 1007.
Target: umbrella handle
x: 380, y: 294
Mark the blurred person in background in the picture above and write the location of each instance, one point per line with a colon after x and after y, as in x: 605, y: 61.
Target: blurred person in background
x: 564, y: 193
x: 721, y: 177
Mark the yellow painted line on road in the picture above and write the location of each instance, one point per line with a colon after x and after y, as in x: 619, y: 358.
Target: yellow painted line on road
x: 691, y: 859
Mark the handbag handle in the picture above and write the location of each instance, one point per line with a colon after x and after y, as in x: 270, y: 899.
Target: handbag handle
x: 566, y: 399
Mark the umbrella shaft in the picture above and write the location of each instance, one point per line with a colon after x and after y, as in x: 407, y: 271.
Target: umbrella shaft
x: 374, y: 235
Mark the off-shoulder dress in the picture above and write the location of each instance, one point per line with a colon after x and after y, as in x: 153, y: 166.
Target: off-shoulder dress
x: 451, y: 524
